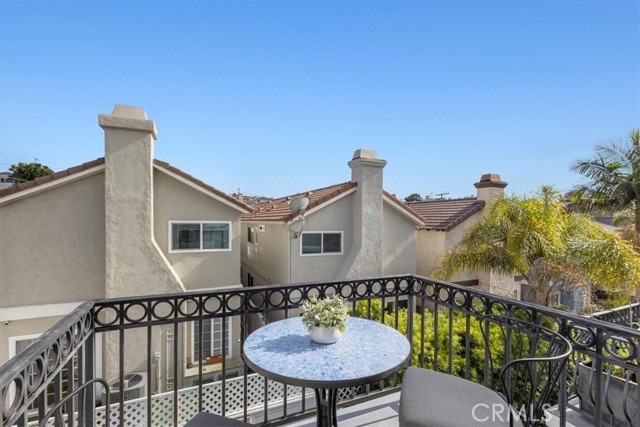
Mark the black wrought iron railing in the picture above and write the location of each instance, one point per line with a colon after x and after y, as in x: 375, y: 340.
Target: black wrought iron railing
x: 153, y: 352
x: 627, y: 315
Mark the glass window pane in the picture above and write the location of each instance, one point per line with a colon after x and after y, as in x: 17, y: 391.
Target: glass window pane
x: 217, y: 342
x: 331, y: 242
x: 311, y: 243
x: 205, y: 337
x: 215, y: 236
x: 185, y: 236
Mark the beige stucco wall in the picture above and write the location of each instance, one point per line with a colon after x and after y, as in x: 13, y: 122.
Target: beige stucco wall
x: 336, y: 217
x: 433, y: 244
x: 176, y: 201
x: 54, y: 245
x: 399, y: 243
x: 277, y: 251
x: 268, y: 260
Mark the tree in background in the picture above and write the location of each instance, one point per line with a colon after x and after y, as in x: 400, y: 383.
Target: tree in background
x: 414, y: 197
x: 549, y: 246
x: 614, y: 178
x: 29, y: 171
x: 424, y: 341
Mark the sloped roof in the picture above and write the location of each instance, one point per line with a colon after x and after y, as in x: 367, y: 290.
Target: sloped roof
x: 49, y: 178
x: 445, y: 214
x: 406, y: 207
x: 202, y: 184
x: 278, y: 209
x: 98, y: 162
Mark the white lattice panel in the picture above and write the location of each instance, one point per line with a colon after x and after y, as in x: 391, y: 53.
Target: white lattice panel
x: 135, y: 411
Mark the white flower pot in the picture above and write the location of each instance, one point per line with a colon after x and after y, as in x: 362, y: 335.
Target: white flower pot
x: 325, y: 335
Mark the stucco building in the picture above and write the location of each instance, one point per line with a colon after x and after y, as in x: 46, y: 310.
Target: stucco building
x: 446, y: 222
x: 350, y: 230
x: 123, y: 225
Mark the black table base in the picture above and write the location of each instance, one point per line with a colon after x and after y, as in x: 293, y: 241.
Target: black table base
x: 326, y: 402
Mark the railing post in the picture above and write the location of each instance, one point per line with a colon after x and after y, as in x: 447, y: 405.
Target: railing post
x: 562, y: 398
x: 410, y: 311
x: 597, y: 366
x: 89, y: 374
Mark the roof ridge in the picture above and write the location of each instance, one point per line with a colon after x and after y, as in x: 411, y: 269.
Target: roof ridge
x: 277, y: 209
x: 100, y: 161
x: 51, y: 177
x: 445, y: 216
x: 405, y: 206
x: 202, y: 184
x: 277, y: 200
x: 457, y: 199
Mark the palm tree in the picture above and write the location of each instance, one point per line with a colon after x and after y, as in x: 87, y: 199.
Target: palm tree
x: 549, y: 246
x: 614, y: 178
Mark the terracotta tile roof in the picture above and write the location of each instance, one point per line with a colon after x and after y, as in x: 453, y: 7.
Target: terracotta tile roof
x: 406, y: 207
x: 278, y: 209
x: 76, y: 169
x: 202, y: 184
x: 45, y: 179
x: 444, y: 214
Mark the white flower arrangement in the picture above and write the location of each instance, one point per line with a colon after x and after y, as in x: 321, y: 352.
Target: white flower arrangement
x: 326, y: 313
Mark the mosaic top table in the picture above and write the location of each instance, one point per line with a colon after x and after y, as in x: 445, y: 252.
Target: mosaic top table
x: 368, y: 351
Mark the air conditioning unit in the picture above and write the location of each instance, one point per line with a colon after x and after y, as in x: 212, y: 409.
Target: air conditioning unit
x: 134, y: 386
x: 233, y: 373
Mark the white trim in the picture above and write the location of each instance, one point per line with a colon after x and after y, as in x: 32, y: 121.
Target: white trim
x: 200, y: 189
x: 52, y: 184
x: 25, y: 312
x: 15, y: 339
x: 323, y: 205
x: 186, y: 251
x: 322, y: 253
x: 12, y: 352
x: 404, y: 212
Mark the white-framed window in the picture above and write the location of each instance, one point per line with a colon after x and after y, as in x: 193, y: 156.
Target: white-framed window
x: 321, y: 243
x: 19, y: 344
x: 252, y: 235
x: 211, y: 337
x: 199, y: 236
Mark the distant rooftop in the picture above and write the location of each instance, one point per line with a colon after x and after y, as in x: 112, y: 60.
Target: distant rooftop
x: 278, y: 209
x: 444, y: 214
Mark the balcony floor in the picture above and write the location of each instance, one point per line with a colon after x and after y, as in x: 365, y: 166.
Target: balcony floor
x: 382, y: 412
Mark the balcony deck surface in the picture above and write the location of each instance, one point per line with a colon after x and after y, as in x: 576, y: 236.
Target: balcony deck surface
x: 383, y: 412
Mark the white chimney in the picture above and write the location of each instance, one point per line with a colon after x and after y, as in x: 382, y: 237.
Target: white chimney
x: 365, y: 258
x: 134, y: 263
x: 490, y: 186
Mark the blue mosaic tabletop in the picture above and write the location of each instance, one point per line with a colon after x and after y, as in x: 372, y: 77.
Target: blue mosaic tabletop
x: 284, y: 351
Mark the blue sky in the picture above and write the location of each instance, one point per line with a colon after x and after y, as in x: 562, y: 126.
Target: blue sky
x: 273, y: 97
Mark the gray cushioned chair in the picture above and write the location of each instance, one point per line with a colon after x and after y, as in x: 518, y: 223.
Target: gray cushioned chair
x: 528, y: 363
x: 435, y: 399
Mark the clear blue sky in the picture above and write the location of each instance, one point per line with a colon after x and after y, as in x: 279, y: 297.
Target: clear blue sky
x: 273, y: 97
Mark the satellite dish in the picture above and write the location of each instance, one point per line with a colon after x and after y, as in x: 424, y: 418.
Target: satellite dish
x: 299, y: 205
